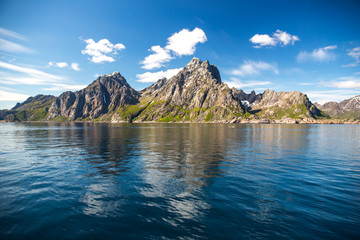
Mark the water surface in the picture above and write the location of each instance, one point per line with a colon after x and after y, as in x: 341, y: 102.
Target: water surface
x: 179, y: 181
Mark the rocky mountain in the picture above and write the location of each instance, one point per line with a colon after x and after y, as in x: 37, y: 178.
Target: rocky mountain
x: 279, y: 105
x: 285, y: 105
x: 106, y: 94
x: 246, y: 99
x: 349, y: 108
x: 33, y: 109
x: 195, y: 94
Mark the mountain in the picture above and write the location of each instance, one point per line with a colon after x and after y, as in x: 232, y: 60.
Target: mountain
x: 106, y: 94
x: 195, y: 94
x: 33, y: 109
x: 279, y: 105
x: 246, y: 99
x: 285, y: 105
x: 349, y: 108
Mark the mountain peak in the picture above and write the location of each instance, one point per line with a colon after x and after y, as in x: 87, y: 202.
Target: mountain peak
x: 194, y: 62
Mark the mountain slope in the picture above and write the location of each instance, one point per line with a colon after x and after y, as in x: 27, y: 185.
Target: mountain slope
x: 33, y: 109
x: 104, y: 95
x: 196, y: 93
x: 280, y: 105
x: 349, y: 108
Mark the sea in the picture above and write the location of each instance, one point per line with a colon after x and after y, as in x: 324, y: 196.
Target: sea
x: 179, y: 181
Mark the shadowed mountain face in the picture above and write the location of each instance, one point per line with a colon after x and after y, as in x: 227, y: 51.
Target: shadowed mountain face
x: 105, y: 94
x: 195, y: 94
x: 349, y: 108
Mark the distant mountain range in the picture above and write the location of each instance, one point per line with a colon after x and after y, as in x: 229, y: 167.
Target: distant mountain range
x: 349, y: 108
x: 195, y: 94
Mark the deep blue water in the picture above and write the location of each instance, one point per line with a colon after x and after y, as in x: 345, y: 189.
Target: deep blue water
x: 179, y: 181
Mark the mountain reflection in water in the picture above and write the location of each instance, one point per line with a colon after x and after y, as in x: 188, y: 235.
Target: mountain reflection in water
x: 85, y: 180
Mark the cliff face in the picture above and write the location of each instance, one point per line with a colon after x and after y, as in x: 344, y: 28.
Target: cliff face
x: 105, y: 94
x: 349, y: 108
x: 196, y: 93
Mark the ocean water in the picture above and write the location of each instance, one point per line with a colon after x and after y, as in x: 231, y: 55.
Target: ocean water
x: 179, y: 181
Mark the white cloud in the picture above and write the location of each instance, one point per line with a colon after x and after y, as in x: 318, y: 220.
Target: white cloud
x: 250, y: 67
x: 11, y: 96
x: 12, y: 47
x: 317, y: 55
x: 184, y: 42
x: 278, y: 38
x: 100, y: 51
x: 285, y: 38
x: 64, y: 87
x: 75, y: 66
x: 157, y: 59
x: 9, y: 46
x: 355, y: 54
x: 345, y: 82
x: 330, y: 95
x: 154, y: 76
x: 61, y: 64
x: 237, y: 83
x: 9, y: 33
x: 36, y: 74
x: 262, y: 40
x: 179, y: 44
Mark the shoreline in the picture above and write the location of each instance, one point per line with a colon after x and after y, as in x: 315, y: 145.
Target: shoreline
x: 234, y: 121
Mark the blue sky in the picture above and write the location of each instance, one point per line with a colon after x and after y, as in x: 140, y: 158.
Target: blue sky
x: 47, y: 47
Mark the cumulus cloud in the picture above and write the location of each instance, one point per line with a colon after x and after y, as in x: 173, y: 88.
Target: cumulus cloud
x: 178, y: 44
x: 100, y: 51
x: 184, y: 42
x: 278, y: 38
x: 75, y: 66
x: 318, y: 55
x: 237, y: 83
x: 355, y: 54
x: 157, y: 59
x: 154, y: 76
x: 262, y: 40
x: 58, y: 64
x: 250, y: 67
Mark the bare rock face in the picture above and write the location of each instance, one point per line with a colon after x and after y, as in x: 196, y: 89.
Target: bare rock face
x: 246, y: 99
x: 195, y: 93
x: 349, y: 108
x: 285, y: 105
x: 105, y: 94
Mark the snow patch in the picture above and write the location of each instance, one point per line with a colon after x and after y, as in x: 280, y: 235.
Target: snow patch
x: 246, y: 104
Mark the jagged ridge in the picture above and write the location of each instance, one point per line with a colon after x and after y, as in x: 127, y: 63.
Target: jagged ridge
x: 195, y: 94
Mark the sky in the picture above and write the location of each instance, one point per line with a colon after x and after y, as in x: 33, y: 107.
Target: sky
x: 48, y: 47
